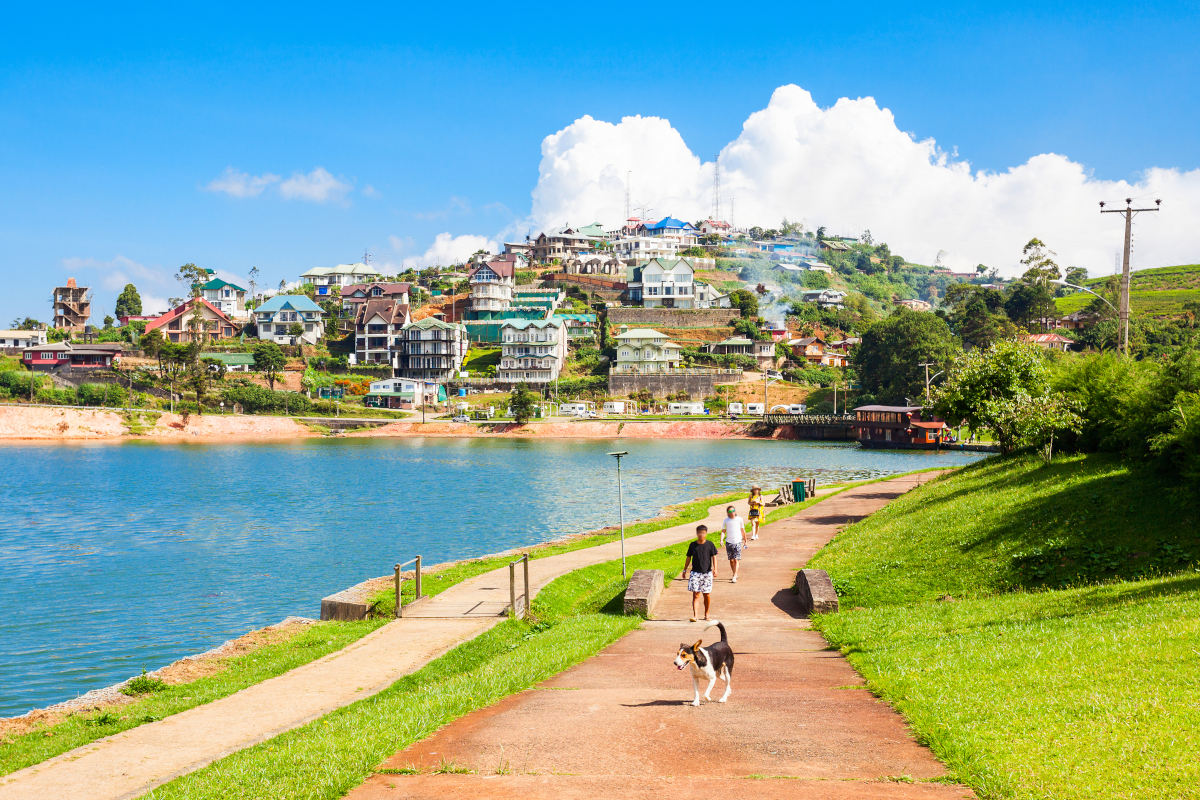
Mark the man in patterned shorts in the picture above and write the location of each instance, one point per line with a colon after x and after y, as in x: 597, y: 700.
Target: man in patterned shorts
x: 700, y: 568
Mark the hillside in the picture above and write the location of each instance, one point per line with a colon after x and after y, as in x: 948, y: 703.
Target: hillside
x: 1155, y: 292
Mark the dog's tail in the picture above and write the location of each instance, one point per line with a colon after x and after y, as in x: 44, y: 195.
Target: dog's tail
x: 720, y: 627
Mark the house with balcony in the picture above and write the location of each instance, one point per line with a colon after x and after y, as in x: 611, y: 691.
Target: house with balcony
x: 195, y: 319
x: 356, y: 294
x: 403, y: 393
x: 663, y: 283
x: 532, y: 351
x: 684, y: 233
x: 330, y: 280
x: 430, y: 350
x: 492, y: 285
x: 634, y: 249
x: 566, y: 243
x: 645, y: 351
x: 228, y: 297
x: 763, y: 352
x: 276, y: 315
x: 824, y: 298
x: 580, y: 327
x: 46, y: 357
x: 378, y: 330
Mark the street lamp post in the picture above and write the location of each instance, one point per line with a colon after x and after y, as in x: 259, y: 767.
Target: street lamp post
x: 621, y: 506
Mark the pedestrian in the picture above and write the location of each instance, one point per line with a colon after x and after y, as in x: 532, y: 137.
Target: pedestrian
x: 735, y: 540
x: 700, y: 567
x: 756, y: 506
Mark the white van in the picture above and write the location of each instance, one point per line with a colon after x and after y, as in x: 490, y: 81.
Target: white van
x: 755, y: 409
x: 614, y: 406
x: 685, y: 408
x: 797, y: 408
x: 736, y: 408
x: 573, y: 409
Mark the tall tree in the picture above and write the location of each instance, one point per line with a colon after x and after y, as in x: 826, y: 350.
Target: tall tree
x: 523, y: 403
x: 129, y: 302
x: 192, y: 277
x: 269, y: 360
x: 892, y: 350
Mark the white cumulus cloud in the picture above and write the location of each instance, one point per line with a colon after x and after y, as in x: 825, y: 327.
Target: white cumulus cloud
x: 236, y: 183
x: 448, y: 249
x: 317, y: 186
x: 848, y: 167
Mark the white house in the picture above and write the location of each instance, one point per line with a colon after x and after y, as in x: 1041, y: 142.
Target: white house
x: 378, y: 331
x: 664, y: 283
x: 642, y: 350
x: 11, y: 338
x: 638, y: 249
x: 409, y: 388
x: 330, y: 280
x: 492, y: 284
x: 532, y: 350
x: 825, y: 298
x: 431, y: 350
x: 276, y: 316
x: 708, y: 297
x: 228, y: 297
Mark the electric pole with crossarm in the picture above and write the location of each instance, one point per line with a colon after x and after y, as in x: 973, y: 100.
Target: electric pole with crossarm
x: 1123, y: 312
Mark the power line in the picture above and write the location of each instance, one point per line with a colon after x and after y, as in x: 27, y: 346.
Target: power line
x: 1129, y: 212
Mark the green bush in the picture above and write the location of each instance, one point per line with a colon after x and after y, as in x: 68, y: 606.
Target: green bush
x: 101, y: 394
x: 260, y: 400
x: 17, y: 382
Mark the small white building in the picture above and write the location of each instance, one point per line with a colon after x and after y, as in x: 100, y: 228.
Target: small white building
x: 614, y: 406
x: 275, y: 317
x: 329, y: 281
x: 14, y: 338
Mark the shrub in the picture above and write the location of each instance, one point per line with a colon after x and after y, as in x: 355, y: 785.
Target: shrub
x: 259, y: 400
x: 143, y: 684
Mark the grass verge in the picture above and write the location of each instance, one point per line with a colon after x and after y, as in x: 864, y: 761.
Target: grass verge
x: 1038, y: 625
x: 574, y: 617
x: 266, y: 662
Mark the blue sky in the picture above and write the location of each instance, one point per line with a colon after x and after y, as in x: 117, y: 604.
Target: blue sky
x: 112, y: 124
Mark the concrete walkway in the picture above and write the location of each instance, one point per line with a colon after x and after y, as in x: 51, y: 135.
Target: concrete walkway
x: 135, y: 761
x: 799, y: 723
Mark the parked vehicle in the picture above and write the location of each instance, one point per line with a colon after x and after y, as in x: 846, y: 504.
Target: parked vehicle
x: 462, y: 418
x: 797, y: 408
x: 755, y: 408
x: 614, y: 406
x: 736, y: 408
x: 685, y: 408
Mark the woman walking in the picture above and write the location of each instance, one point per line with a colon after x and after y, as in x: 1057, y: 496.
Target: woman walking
x: 756, y: 506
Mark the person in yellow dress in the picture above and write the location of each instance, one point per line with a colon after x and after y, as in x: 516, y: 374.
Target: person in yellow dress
x: 756, y: 506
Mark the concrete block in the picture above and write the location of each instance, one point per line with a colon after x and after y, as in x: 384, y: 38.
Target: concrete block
x: 645, y: 587
x: 352, y: 603
x: 816, y: 592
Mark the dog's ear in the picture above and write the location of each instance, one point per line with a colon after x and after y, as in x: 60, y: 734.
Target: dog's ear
x: 696, y: 646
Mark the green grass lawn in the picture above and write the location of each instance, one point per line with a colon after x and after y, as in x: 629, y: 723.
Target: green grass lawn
x: 479, y: 359
x: 1037, y: 625
x: 1155, y: 292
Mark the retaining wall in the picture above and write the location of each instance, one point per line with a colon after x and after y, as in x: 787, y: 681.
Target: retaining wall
x: 674, y: 317
x: 697, y: 387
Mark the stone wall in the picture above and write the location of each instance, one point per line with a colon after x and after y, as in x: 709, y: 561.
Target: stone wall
x: 698, y: 386
x: 674, y: 317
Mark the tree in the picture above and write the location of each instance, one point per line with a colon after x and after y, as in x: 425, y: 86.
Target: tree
x: 1029, y: 301
x: 192, y: 277
x: 745, y: 301
x: 129, y: 302
x: 865, y: 238
x: 976, y: 315
x: 1076, y: 275
x: 296, y: 330
x: 269, y: 360
x: 1006, y: 389
x: 1039, y: 262
x: 889, y: 358
x: 523, y: 403
x: 253, y: 280
x: 108, y: 321
x: 27, y: 324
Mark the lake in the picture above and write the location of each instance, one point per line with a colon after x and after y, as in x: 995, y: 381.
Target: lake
x: 116, y: 557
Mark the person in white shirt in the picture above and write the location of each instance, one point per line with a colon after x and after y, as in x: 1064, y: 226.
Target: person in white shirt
x: 735, y: 540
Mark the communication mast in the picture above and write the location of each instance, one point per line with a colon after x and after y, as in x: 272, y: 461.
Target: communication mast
x: 716, y: 209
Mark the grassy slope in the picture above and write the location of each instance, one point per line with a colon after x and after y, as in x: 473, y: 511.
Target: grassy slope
x: 1160, y: 291
x: 573, y: 618
x: 1046, y: 676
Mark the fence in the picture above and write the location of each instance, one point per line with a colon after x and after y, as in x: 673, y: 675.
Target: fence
x: 810, y: 419
x: 418, y: 594
x: 518, y: 605
x: 619, y: 369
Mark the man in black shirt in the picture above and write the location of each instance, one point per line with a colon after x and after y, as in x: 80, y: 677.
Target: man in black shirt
x: 700, y: 568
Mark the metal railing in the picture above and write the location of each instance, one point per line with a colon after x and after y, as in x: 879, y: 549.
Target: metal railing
x: 418, y: 595
x: 518, y: 605
x: 622, y: 369
x: 809, y: 419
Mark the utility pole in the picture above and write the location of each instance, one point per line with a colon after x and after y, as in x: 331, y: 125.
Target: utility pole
x: 928, y: 378
x: 1129, y: 211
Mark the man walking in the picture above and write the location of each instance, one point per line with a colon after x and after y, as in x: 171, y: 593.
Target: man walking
x: 700, y: 567
x: 735, y: 540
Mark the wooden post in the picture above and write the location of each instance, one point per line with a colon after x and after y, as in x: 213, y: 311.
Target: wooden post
x: 419, y: 595
x: 525, y: 558
x: 512, y: 589
x: 399, y: 612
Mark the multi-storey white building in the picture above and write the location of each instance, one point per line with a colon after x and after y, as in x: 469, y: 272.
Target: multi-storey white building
x: 378, y: 330
x: 276, y: 316
x: 431, y: 350
x: 664, y: 283
x: 330, y: 280
x: 638, y: 249
x: 492, y: 284
x: 642, y: 351
x: 228, y: 297
x: 532, y: 350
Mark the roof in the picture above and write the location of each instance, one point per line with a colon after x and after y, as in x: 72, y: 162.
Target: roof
x: 736, y: 340
x: 1048, y: 338
x: 180, y: 310
x: 341, y: 269
x: 231, y: 359
x: 217, y: 283
x: 522, y: 324
x: 807, y: 340
x: 668, y: 223
x: 929, y: 425
x: 388, y: 288
x: 502, y: 267
x: 641, y: 333
x: 433, y: 322
x: 296, y: 302
x: 576, y: 317
x: 898, y: 409
x: 85, y: 350
x: 392, y: 311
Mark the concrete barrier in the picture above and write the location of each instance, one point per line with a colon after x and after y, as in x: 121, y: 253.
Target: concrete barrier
x: 353, y: 603
x: 645, y: 587
x: 816, y: 592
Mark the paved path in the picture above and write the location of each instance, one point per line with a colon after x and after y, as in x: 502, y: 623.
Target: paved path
x: 133, y: 762
x: 799, y: 723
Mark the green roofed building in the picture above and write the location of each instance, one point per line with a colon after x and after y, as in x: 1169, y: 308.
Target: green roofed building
x: 228, y: 297
x: 234, y: 362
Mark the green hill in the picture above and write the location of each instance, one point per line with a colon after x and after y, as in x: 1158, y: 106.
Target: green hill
x: 1155, y: 292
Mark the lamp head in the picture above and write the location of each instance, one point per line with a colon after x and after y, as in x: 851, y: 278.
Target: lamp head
x: 1102, y: 204
x: 618, y: 455
x: 1158, y: 202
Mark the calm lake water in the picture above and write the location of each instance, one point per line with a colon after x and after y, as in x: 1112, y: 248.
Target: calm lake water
x: 115, y: 557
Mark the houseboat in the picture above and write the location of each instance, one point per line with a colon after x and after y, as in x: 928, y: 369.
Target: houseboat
x: 898, y: 427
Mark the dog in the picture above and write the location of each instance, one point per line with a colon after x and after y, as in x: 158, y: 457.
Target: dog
x: 708, y: 662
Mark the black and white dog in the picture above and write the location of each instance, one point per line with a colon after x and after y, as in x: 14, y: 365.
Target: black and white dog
x: 708, y: 662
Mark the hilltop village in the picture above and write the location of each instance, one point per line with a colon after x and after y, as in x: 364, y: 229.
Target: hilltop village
x: 652, y: 318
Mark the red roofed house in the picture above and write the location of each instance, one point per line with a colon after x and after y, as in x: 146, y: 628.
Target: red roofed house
x: 356, y: 294
x: 492, y: 285
x: 176, y: 324
x: 1050, y: 341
